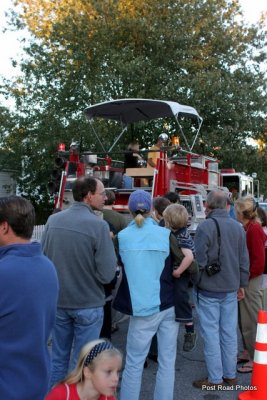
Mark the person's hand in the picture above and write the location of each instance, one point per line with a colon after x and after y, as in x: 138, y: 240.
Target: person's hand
x: 176, y: 273
x: 138, y: 156
x: 240, y: 294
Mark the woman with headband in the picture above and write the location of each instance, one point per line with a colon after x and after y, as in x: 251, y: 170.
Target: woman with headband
x: 95, y: 377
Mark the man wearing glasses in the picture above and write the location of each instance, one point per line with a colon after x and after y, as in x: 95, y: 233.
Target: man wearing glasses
x: 79, y: 244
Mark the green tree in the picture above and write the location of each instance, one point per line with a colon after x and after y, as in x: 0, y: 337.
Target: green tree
x: 196, y: 52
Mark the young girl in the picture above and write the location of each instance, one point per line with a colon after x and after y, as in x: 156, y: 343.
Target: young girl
x: 95, y: 377
x: 176, y: 218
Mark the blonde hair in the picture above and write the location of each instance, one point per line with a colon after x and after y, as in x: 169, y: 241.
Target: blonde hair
x: 139, y: 219
x: 246, y: 207
x: 76, y: 375
x: 176, y: 216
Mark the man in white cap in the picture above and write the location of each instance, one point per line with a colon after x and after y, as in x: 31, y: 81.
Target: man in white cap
x: 154, y: 154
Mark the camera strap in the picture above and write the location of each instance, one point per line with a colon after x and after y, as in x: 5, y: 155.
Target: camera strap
x: 218, y: 236
x: 219, y: 251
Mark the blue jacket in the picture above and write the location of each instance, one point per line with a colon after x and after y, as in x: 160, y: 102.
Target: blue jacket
x: 28, y: 298
x: 147, y: 283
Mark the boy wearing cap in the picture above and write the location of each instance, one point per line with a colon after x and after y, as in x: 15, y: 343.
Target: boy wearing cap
x: 146, y: 294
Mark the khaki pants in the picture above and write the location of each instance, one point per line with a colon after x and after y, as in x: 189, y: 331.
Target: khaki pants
x: 248, y: 313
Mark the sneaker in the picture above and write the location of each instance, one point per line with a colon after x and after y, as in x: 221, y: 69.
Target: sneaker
x: 204, y: 384
x: 190, y: 341
x: 230, y: 381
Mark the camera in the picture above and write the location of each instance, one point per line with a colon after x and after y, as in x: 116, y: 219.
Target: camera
x: 213, y: 269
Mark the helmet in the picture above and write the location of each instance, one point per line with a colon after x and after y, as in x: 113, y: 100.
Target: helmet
x: 164, y: 137
x: 74, y: 145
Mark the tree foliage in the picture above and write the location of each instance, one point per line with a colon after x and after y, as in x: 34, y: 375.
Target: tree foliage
x: 196, y: 52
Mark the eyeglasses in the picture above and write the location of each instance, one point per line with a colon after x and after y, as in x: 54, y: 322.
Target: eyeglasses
x: 101, y: 194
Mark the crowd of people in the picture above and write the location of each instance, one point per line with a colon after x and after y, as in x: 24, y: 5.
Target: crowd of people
x: 90, y: 259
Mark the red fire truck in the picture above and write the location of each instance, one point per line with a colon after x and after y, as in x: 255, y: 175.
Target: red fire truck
x: 178, y: 168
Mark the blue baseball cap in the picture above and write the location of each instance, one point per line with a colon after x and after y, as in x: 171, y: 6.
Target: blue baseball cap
x: 140, y: 200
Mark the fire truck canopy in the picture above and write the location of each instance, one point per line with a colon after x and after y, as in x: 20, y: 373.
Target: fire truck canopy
x: 128, y: 111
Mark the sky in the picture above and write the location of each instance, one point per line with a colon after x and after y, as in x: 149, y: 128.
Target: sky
x: 10, y: 46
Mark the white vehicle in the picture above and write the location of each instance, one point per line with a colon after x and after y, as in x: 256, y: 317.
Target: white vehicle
x: 239, y: 184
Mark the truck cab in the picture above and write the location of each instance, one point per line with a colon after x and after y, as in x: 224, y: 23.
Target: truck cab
x: 239, y: 184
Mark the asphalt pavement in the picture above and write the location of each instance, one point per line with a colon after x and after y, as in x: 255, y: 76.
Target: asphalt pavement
x: 190, y: 366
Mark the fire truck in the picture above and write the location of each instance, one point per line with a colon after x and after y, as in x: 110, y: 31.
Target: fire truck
x: 240, y: 184
x: 178, y: 168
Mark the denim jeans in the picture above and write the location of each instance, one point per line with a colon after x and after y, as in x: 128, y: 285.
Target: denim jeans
x: 73, y: 329
x: 182, y: 306
x: 218, y: 325
x: 127, y: 182
x: 140, y: 333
